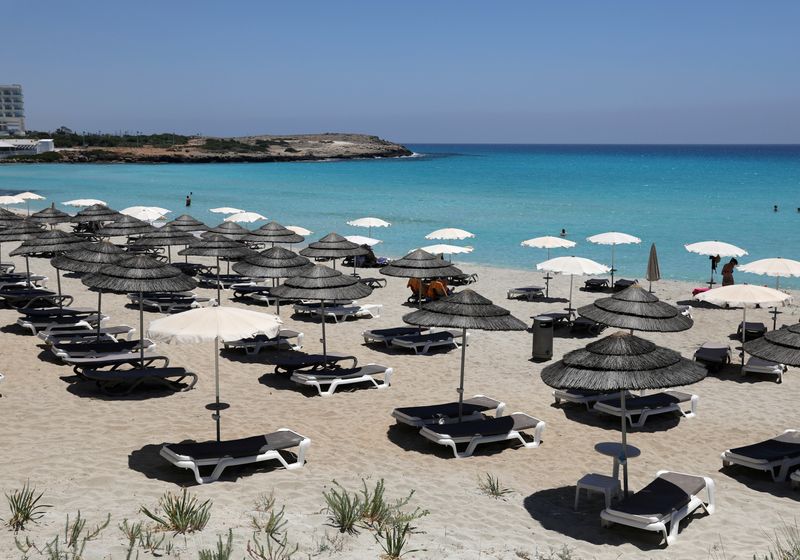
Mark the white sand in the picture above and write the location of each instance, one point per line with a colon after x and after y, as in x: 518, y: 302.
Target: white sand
x: 100, y: 455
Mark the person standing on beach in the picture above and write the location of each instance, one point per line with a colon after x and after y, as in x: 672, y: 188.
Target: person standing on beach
x: 727, y: 272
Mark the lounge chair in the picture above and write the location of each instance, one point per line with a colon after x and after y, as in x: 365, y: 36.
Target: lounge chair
x: 17, y: 280
x: 795, y: 478
x: 336, y: 377
x: 650, y: 405
x: 255, y: 344
x: 305, y: 307
x: 253, y: 291
x: 340, y: 313
x: 423, y: 343
x: 713, y: 355
x: 36, y: 324
x: 777, y: 455
x: 528, y: 293
x: 192, y: 269
x: 67, y: 333
x: 586, y: 398
x: 386, y: 336
x: 661, y: 505
x: 114, y: 362
x: 373, y: 282
x: 24, y: 296
x: 622, y: 283
x: 583, y: 324
x: 462, y: 279
x: 488, y: 430
x: 752, y: 330
x: 93, y: 348
x: 298, y: 361
x: 593, y: 284
x: 446, y: 413
x: 223, y: 281
x: 123, y: 381
x: 757, y: 365
x: 224, y: 454
x: 559, y: 318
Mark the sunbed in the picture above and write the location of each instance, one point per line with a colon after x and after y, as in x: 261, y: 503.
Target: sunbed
x: 298, y: 361
x: 713, y: 355
x: 462, y: 279
x: 224, y: 454
x: 446, y: 413
x: 255, y: 344
x: 35, y: 324
x: 7, y: 267
x: 341, y: 313
x: 254, y: 291
x: 586, y: 398
x: 752, y: 330
x: 331, y: 379
x: 11, y: 281
x: 386, y: 336
x: 757, y: 365
x: 123, y: 381
x: 528, y: 292
x: 423, y: 343
x: 93, y: 348
x: 167, y: 302
x: 192, y: 269
x: 67, y: 333
x: 115, y: 361
x: 650, y: 405
x: 304, y: 307
x: 777, y: 455
x: 595, y: 284
x: 24, y: 296
x: 558, y: 317
x: 373, y: 282
x: 583, y: 324
x: 622, y: 283
x: 661, y: 505
x: 795, y: 478
x: 223, y: 281
x: 489, y: 430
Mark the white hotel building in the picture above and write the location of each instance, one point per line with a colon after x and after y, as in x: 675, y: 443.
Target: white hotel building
x: 12, y: 112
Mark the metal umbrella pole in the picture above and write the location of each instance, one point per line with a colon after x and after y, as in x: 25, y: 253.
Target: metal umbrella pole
x: 624, y: 455
x: 461, y: 382
x: 324, y: 342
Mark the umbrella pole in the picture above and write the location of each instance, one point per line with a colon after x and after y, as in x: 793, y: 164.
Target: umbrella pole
x: 58, y: 283
x: 185, y: 257
x: 624, y: 454
x: 27, y: 272
x: 744, y: 330
x: 324, y: 343
x: 547, y: 278
x: 569, y: 308
x: 169, y: 254
x: 99, y: 312
x: 218, y: 410
x: 141, y: 329
x: 219, y: 297
x: 613, y: 245
x: 775, y: 309
x: 461, y: 382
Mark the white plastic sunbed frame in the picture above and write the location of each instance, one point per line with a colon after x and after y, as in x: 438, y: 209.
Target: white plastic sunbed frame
x: 221, y: 463
x: 499, y: 410
x: 476, y: 440
x: 645, y: 413
x: 423, y: 347
x: 587, y: 400
x: 779, y: 469
x: 40, y: 325
x: 254, y: 345
x: 659, y: 524
x: 343, y: 312
x: 367, y: 373
x: 795, y: 478
x: 757, y: 365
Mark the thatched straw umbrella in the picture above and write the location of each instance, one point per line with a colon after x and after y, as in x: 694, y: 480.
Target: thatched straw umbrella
x: 231, y: 230
x: 322, y: 284
x: 47, y: 245
x: 622, y: 362
x: 421, y: 265
x: 139, y: 274
x: 23, y: 231
x: 125, y: 226
x: 333, y: 246
x: 96, y: 214
x: 464, y: 310
x: 9, y: 218
x: 636, y: 309
x: 218, y: 246
x: 275, y: 263
x: 51, y: 216
x: 166, y: 236
x: 273, y: 232
x: 781, y: 346
x: 185, y: 222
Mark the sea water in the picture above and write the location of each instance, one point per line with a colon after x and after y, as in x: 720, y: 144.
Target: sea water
x: 504, y: 194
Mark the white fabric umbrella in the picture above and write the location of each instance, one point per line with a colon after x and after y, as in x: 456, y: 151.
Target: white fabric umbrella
x: 300, y: 230
x: 777, y: 267
x: 10, y: 199
x: 245, y: 217
x: 713, y: 248
x: 226, y: 210
x: 361, y: 240
x: 744, y: 296
x: 548, y: 242
x: 82, y: 202
x: 443, y: 249
x: 613, y: 238
x: 449, y: 233
x: 369, y: 223
x: 145, y: 213
x: 218, y: 324
x: 27, y: 196
x: 574, y: 266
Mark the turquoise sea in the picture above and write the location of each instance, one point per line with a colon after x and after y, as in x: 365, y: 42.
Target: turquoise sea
x: 670, y: 195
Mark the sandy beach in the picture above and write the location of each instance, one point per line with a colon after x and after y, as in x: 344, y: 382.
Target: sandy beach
x: 99, y: 455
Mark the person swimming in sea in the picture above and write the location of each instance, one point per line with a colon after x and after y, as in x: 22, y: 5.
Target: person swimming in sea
x: 189, y: 200
x: 563, y: 232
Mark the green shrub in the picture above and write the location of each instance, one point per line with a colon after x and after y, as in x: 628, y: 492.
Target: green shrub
x: 344, y: 509
x: 25, y: 507
x: 491, y: 486
x: 393, y: 540
x: 223, y: 550
x: 272, y: 550
x: 267, y: 520
x: 182, y: 513
x: 785, y: 544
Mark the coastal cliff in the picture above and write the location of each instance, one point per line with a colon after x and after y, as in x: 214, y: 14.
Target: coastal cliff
x: 201, y: 149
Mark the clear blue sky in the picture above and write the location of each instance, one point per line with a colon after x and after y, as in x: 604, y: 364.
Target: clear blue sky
x: 633, y: 71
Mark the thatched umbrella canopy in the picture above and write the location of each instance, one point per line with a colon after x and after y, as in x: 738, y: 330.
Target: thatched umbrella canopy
x: 231, y: 230
x: 92, y: 257
x: 420, y: 264
x: 9, y: 218
x: 636, y: 309
x: 465, y: 310
x: 23, y: 231
x: 781, y: 346
x: 48, y: 244
x: 50, y: 216
x: 275, y: 262
x: 125, y: 226
x: 333, y: 246
x: 621, y: 362
x: 219, y: 247
x: 322, y: 283
x: 166, y: 236
x: 273, y: 232
x: 139, y: 274
x: 94, y: 214
x: 185, y: 222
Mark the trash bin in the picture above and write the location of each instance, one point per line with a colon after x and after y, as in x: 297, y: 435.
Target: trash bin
x: 542, y: 337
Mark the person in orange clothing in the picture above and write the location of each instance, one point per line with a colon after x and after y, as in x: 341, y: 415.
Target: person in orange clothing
x: 437, y: 289
x: 417, y: 287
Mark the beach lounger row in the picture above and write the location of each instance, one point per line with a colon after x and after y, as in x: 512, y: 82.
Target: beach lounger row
x: 637, y: 408
x: 528, y: 293
x: 716, y: 355
x: 285, y: 339
x: 167, y: 302
x: 421, y: 341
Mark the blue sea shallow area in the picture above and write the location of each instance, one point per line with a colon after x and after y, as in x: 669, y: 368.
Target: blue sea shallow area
x: 670, y: 195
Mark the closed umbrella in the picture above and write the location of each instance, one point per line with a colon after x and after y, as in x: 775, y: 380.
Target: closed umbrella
x: 185, y: 222
x: 574, y: 266
x: 125, y: 226
x: 369, y: 223
x: 245, y: 217
x: 744, y: 296
x: 713, y: 249
x: 50, y: 216
x: 636, y: 309
x: 781, y: 346
x: 217, y: 246
x: 145, y: 213
x: 275, y: 262
x: 449, y: 233
x: 613, y: 238
x: 139, y: 274
x: 231, y: 230
x: 220, y: 324
x: 653, y: 273
x: 48, y: 244
x: 622, y: 362
x: 321, y: 283
x: 333, y: 246
x: 83, y: 202
x: 465, y: 310
x: 273, y: 233
x: 548, y: 242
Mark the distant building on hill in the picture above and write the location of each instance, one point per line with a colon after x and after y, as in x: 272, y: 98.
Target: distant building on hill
x: 12, y: 112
